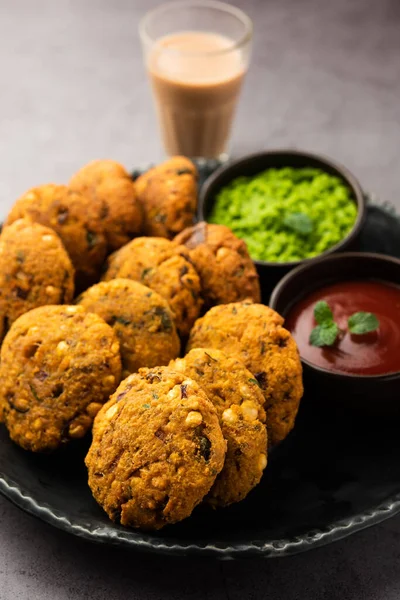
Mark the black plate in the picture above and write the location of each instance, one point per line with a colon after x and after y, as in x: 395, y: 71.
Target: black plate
x: 323, y: 483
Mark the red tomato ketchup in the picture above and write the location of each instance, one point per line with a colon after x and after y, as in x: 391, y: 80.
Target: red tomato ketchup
x: 374, y: 353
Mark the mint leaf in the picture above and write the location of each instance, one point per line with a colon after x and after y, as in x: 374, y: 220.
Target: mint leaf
x: 362, y: 322
x: 324, y: 335
x: 299, y: 222
x: 323, y: 313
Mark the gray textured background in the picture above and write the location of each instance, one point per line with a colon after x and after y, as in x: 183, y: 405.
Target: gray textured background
x: 325, y: 77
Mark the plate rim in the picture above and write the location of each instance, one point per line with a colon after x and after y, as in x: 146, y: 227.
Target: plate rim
x: 139, y: 541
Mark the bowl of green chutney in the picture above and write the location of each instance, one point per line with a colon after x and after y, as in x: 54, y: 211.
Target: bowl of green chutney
x: 289, y: 206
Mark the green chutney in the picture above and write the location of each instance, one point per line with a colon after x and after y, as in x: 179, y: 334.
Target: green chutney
x: 286, y: 214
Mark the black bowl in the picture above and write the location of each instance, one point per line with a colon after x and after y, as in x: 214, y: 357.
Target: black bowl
x: 270, y: 273
x: 365, y: 395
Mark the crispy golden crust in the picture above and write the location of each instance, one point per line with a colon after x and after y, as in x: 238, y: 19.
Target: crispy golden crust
x: 238, y: 401
x: 74, y: 218
x: 168, y: 194
x: 164, y: 267
x: 59, y: 364
x: 35, y: 270
x: 226, y: 271
x: 157, y: 448
x: 141, y: 319
x: 254, y: 333
x: 120, y: 211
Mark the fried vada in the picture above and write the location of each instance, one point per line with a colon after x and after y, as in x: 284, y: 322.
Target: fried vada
x: 59, y: 364
x: 165, y: 267
x: 111, y: 187
x: 226, y: 271
x: 75, y: 219
x: 141, y: 319
x: 168, y: 195
x: 238, y: 400
x: 157, y: 449
x: 254, y: 334
x: 35, y: 270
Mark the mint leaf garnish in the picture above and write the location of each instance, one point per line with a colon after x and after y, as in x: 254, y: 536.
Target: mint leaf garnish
x: 326, y: 332
x: 363, y: 322
x: 298, y: 222
x: 322, y: 313
x: 324, y: 335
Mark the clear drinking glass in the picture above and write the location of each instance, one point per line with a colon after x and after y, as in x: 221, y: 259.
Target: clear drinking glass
x: 196, y: 54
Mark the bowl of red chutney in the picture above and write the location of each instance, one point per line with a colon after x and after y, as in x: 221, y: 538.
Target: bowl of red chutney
x: 344, y: 313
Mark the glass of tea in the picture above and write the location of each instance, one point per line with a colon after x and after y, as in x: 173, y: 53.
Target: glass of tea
x: 196, y: 54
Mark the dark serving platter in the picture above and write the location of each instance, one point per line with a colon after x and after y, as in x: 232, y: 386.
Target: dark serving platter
x: 329, y: 479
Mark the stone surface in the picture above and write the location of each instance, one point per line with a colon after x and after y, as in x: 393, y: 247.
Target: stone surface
x: 325, y: 77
